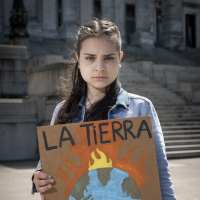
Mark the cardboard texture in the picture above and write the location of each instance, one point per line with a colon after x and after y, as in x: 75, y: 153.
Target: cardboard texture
x: 109, y: 159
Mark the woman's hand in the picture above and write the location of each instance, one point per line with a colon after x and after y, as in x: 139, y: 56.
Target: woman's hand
x: 43, y: 182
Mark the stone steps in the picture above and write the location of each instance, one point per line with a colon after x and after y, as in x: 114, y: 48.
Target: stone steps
x: 180, y: 121
x: 138, y: 84
x: 181, y: 137
x: 183, y: 154
x: 165, y: 123
x: 155, y: 93
x: 183, y: 147
x: 165, y: 111
x: 187, y: 107
x: 191, y: 127
x: 182, y: 142
x: 178, y: 114
x: 181, y: 132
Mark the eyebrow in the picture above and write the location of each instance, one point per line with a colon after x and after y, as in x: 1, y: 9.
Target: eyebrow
x: 110, y: 54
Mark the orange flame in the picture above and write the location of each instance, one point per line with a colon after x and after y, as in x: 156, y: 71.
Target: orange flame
x: 83, y: 151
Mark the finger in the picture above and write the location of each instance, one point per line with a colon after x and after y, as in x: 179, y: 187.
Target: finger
x: 41, y: 175
x: 42, y: 196
x: 44, y: 182
x: 43, y: 189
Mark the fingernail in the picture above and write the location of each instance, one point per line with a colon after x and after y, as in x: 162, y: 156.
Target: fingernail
x: 51, y: 180
x: 49, y: 186
x: 49, y: 176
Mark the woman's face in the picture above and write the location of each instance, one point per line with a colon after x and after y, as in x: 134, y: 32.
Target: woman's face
x: 99, y: 62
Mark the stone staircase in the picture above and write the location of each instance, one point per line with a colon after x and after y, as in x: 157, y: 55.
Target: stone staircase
x: 179, y: 119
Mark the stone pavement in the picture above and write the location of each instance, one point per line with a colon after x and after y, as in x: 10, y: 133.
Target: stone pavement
x: 185, y: 175
x: 15, y: 180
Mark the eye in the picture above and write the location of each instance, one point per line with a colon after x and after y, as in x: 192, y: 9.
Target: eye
x: 109, y: 58
x: 90, y: 58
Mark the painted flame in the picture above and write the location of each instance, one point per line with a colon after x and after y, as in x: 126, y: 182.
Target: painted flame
x: 100, y: 163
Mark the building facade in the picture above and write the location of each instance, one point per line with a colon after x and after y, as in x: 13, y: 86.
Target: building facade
x: 173, y: 24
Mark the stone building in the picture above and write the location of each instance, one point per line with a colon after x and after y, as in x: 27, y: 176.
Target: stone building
x: 145, y: 23
x: 29, y: 84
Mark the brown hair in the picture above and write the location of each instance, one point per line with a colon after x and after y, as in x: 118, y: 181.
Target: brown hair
x: 98, y: 110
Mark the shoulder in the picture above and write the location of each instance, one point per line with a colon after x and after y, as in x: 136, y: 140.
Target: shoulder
x: 139, y: 104
x: 59, y: 106
x: 134, y: 98
x: 56, y: 110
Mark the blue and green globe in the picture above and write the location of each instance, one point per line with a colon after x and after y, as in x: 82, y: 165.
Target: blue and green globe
x: 105, y: 183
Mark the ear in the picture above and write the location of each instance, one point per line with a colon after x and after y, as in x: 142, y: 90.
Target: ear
x: 121, y: 55
x: 76, y: 54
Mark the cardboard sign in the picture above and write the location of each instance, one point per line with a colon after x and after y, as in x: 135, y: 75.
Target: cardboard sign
x: 109, y: 159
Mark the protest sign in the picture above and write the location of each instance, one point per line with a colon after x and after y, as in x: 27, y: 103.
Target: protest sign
x: 109, y: 159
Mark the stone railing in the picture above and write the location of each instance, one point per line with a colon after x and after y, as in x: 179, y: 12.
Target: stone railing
x: 13, y: 52
x: 181, y: 79
x: 14, y: 63
x: 44, y: 86
x: 18, y: 135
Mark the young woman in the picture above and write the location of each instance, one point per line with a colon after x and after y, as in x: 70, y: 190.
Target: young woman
x: 97, y: 95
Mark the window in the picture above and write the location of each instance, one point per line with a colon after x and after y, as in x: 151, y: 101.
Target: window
x: 130, y: 22
x: 159, y: 25
x: 190, y: 31
x: 97, y: 9
x: 59, y: 13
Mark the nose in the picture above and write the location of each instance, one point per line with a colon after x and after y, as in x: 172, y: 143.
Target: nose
x: 99, y: 66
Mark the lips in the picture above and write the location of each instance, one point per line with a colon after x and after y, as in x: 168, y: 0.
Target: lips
x: 100, y: 77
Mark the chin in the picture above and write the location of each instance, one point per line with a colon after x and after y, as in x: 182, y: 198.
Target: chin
x: 99, y: 86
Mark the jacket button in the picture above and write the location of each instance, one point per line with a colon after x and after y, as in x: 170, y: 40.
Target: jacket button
x: 113, y: 111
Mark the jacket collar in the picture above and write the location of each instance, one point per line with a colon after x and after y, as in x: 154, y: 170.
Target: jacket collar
x: 122, y: 99
x: 81, y: 102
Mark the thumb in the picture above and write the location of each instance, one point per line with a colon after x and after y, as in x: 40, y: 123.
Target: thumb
x: 42, y: 196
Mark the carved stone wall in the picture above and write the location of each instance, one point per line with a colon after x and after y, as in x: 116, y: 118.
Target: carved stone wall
x: 43, y: 19
x: 172, y: 23
x: 108, y: 9
x: 70, y: 18
x: 120, y: 17
x: 14, y: 63
x: 144, y: 34
x: 44, y: 84
x: 18, y: 134
x: 86, y: 9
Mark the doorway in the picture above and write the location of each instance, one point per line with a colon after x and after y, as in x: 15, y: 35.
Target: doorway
x: 158, y: 26
x: 59, y: 4
x: 190, y: 31
x: 130, y: 22
x: 97, y: 9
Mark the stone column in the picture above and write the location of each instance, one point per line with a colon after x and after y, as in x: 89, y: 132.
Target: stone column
x: 49, y: 18
x: 108, y: 11
x: 143, y: 36
x: 172, y: 24
x: 70, y: 18
x: 120, y: 18
x: 86, y: 10
x: 70, y: 24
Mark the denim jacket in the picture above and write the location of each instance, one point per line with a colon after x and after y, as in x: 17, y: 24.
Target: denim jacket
x: 131, y: 105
